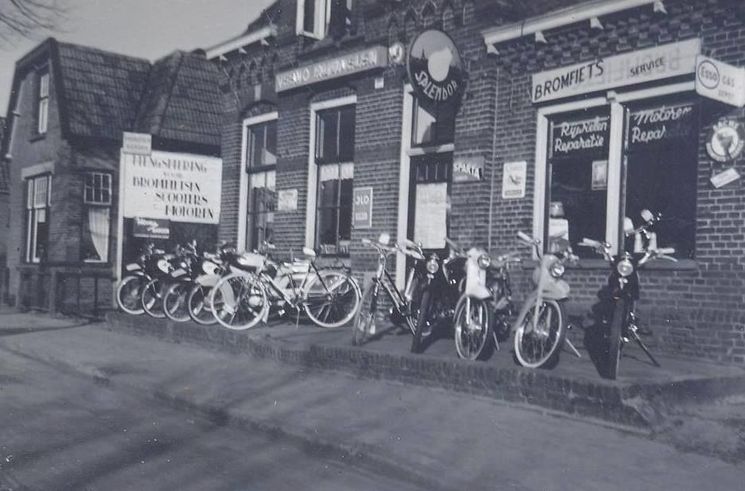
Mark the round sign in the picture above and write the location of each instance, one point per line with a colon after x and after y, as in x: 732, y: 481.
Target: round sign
x: 708, y: 75
x: 435, y: 67
x: 726, y: 141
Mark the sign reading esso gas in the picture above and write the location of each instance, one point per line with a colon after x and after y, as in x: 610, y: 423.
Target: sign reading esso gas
x: 720, y: 81
x: 435, y: 68
x: 172, y: 186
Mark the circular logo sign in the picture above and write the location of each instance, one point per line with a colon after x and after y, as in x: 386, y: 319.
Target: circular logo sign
x: 708, y: 75
x: 435, y: 67
x: 726, y: 141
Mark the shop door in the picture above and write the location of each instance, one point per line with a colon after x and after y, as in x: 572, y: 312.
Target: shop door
x: 429, y: 201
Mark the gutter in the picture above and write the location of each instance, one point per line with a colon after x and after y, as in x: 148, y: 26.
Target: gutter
x: 239, y: 43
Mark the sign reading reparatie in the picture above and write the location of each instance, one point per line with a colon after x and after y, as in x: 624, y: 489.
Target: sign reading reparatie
x: 349, y: 64
x: 668, y: 60
x: 172, y: 186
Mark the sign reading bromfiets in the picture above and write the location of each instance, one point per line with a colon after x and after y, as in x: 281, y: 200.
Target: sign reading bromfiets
x: 435, y: 68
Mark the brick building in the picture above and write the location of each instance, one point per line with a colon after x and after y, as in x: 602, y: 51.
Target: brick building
x: 4, y: 218
x: 319, y: 110
x: 68, y: 109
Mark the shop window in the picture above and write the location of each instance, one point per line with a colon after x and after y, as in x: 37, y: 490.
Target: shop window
x: 38, y: 201
x: 261, y: 162
x: 97, y: 217
x: 432, y: 125
x: 661, y: 171
x: 335, y: 160
x: 320, y: 18
x: 42, y: 110
x: 578, y: 179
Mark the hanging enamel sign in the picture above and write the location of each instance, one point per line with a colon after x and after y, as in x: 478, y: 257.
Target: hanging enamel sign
x: 726, y: 140
x: 435, y: 68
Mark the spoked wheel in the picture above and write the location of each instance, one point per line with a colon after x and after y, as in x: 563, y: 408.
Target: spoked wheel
x: 239, y: 302
x: 363, y: 327
x: 129, y: 294
x: 152, y: 299
x: 175, y: 302
x: 332, y: 299
x: 539, y: 345
x: 620, y: 311
x: 199, y: 307
x: 473, y: 320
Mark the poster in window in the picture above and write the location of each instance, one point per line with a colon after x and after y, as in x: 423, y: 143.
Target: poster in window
x: 599, y: 175
x: 430, y: 220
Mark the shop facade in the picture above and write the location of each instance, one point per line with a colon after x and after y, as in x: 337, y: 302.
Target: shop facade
x: 562, y: 121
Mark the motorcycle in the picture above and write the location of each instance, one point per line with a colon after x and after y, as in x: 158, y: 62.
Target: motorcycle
x: 182, y: 279
x: 163, y: 268
x: 211, y: 269
x: 623, y: 284
x: 138, y: 274
x: 541, y: 325
x: 483, y: 312
x: 442, y: 284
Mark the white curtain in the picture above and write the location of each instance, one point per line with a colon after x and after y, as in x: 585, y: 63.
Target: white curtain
x: 98, y: 222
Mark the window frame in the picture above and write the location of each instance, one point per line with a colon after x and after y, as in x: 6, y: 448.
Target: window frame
x: 42, y: 102
x: 106, y: 185
x: 322, y: 18
x: 31, y: 219
x: 616, y: 191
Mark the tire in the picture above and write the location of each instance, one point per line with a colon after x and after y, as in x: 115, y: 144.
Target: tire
x: 421, y: 321
x: 175, y: 302
x: 239, y: 302
x: 540, y: 348
x: 129, y: 294
x: 614, y: 337
x: 332, y: 299
x: 472, y: 324
x: 363, y: 327
x: 199, y: 308
x: 152, y: 299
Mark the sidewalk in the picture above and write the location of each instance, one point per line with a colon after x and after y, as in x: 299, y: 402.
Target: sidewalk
x: 448, y: 440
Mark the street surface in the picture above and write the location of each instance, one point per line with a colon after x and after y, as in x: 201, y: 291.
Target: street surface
x: 83, y: 407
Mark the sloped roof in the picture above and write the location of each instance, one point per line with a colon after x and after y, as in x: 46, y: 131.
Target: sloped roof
x: 4, y: 175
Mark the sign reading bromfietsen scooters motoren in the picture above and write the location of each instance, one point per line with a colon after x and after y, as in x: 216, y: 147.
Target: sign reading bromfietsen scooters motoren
x: 435, y: 68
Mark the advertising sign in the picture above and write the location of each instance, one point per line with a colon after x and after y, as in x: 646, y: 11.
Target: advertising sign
x: 578, y: 137
x: 139, y: 143
x: 467, y: 169
x: 514, y: 180
x: 430, y: 218
x: 726, y: 140
x: 151, y: 228
x: 719, y: 81
x: 172, y: 186
x: 349, y: 64
x: 669, y: 60
x: 362, y: 208
x: 287, y: 200
x: 662, y: 124
x: 435, y: 68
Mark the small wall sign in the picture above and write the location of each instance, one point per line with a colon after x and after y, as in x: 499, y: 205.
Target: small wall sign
x: 719, y: 81
x: 151, y: 228
x: 467, y: 169
x: 724, y: 178
x: 435, y: 68
x: 137, y: 143
x: 287, y: 200
x: 362, y: 208
x: 514, y: 180
x: 726, y: 140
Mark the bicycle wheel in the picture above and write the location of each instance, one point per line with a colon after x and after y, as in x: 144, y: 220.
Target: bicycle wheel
x: 614, y: 337
x: 199, y: 307
x: 363, y: 327
x: 539, y: 345
x: 239, y: 302
x: 152, y: 299
x: 175, y: 302
x: 332, y: 298
x: 473, y: 320
x: 129, y: 294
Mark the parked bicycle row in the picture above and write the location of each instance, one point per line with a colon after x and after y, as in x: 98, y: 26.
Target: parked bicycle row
x: 471, y: 292
x: 236, y: 289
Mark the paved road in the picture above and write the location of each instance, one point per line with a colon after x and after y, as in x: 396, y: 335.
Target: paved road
x: 60, y: 432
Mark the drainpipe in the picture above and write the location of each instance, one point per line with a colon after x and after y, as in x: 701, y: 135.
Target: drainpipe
x: 494, y: 161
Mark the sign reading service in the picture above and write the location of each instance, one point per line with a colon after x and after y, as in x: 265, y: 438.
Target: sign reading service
x: 669, y: 60
x: 435, y: 67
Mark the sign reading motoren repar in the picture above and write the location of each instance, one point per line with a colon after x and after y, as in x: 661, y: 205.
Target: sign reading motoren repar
x: 435, y: 68
x: 172, y: 186
x: 668, y: 60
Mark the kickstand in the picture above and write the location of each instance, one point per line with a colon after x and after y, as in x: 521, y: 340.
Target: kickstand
x: 569, y: 343
x: 496, y: 341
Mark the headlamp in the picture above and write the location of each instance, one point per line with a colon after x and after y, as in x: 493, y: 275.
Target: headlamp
x: 625, y: 267
x: 484, y: 261
x: 557, y: 270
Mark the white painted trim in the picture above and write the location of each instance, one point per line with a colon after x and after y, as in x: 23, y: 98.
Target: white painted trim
x: 652, y: 92
x: 558, y: 18
x: 310, y: 205
x: 541, y: 166
x: 240, y: 42
x: 120, y: 223
x: 615, y: 175
x: 448, y: 147
x: 37, y: 169
x: 403, y: 183
x: 243, y: 184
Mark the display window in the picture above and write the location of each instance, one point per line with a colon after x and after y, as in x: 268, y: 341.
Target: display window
x: 261, y: 163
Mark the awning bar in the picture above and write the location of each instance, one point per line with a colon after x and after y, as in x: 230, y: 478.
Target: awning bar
x: 240, y: 42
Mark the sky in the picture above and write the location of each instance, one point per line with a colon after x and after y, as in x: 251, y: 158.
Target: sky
x: 144, y: 28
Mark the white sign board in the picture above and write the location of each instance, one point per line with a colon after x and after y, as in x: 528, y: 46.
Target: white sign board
x: 137, y: 143
x: 513, y: 179
x: 720, y: 81
x: 287, y: 200
x: 430, y: 220
x: 668, y: 60
x: 724, y: 178
x: 171, y: 186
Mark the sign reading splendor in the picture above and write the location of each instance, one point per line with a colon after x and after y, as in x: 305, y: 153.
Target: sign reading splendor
x: 669, y: 60
x: 435, y: 67
x: 172, y: 186
x: 359, y: 61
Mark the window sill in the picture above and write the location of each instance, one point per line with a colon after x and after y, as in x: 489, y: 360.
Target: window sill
x: 37, y: 137
x: 312, y: 46
x: 600, y: 264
